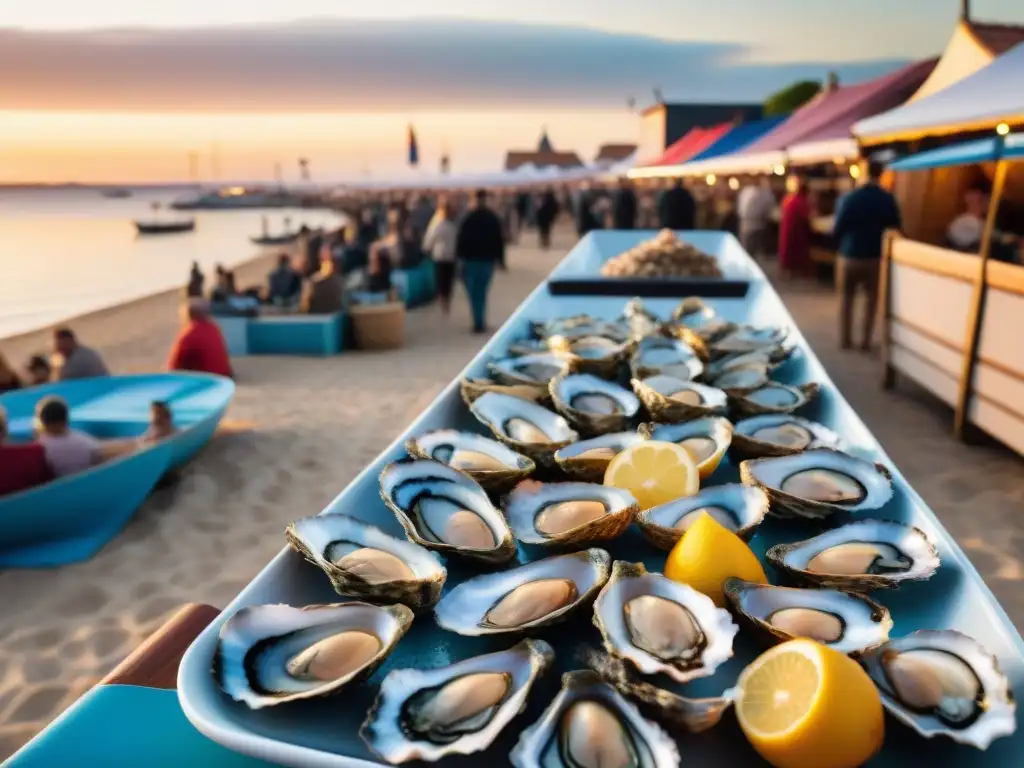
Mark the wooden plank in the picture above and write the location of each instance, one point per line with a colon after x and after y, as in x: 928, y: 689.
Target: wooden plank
x: 935, y: 260
x: 1006, y: 277
x: 154, y: 664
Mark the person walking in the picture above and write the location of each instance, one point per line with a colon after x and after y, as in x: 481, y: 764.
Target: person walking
x: 624, y: 206
x: 861, y: 221
x: 479, y: 246
x: 439, y: 242
x: 677, y: 209
x: 795, y: 230
x: 547, y: 212
x: 196, y: 281
x: 754, y: 208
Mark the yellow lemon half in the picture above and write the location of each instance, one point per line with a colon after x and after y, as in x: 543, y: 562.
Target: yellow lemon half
x: 803, y: 705
x: 708, y: 554
x: 654, y: 472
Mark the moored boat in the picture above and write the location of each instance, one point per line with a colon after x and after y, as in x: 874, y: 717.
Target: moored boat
x: 165, y: 227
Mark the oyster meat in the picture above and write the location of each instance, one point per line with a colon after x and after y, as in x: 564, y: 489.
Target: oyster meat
x: 588, y: 459
x: 272, y: 654
x: 494, y: 465
x: 780, y: 435
x: 536, y: 369
x: 455, y: 710
x: 364, y: 562
x: 861, y: 556
x: 844, y: 621
x: 520, y: 599
x: 660, y: 625
x: 526, y: 427
x: 742, y: 379
x: 440, y: 508
x: 669, y: 357
x: 568, y: 514
x: 593, y: 353
x: 590, y: 725
x: 592, y: 405
x: 944, y: 683
x: 748, y: 339
x: 669, y: 399
x: 706, y: 440
x: 739, y: 508
x: 816, y: 484
x: 773, y: 397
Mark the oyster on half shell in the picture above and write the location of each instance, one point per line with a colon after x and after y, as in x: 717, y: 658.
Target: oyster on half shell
x: 272, y: 654
x: 592, y: 405
x: 568, y: 514
x: 589, y: 723
x: 440, y: 508
x: 472, y: 389
x: 593, y: 353
x: 780, y: 435
x: 587, y: 460
x: 861, y: 556
x: 944, y: 683
x: 524, y: 598
x: 455, y: 710
x: 773, y: 397
x: 525, y: 427
x: 706, y: 440
x: 747, y: 338
x: 697, y: 317
x: 672, y: 400
x: 494, y: 465
x: 536, y: 369
x: 740, y: 508
x: 660, y: 625
x: 816, y: 484
x: 844, y: 621
x: 669, y: 357
x: 364, y: 562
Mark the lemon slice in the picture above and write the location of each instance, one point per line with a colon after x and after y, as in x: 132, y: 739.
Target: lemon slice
x: 709, y: 554
x: 803, y: 705
x: 654, y: 472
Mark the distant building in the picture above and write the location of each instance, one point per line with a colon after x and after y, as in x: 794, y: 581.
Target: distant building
x: 608, y: 154
x: 662, y: 124
x: 545, y: 156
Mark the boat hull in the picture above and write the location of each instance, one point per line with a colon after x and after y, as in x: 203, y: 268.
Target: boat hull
x: 169, y: 228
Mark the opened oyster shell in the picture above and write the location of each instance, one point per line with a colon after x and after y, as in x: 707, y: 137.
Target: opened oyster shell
x: 494, y: 465
x: 694, y: 715
x: 588, y: 460
x: 640, y: 321
x: 740, y: 508
x: 697, y: 317
x: 672, y: 400
x: 706, y: 440
x: 592, y: 405
x: 944, y: 683
x: 578, y: 326
x: 593, y: 353
x: 534, y: 369
x: 364, y: 562
x: 861, y: 556
x: 816, y: 484
x: 272, y: 654
x: 455, y: 710
x: 772, y: 357
x: 472, y: 389
x: 590, y: 724
x: 525, y: 598
x: 844, y: 621
x: 741, y: 379
x: 568, y: 514
x: 668, y: 357
x: 440, y: 508
x: 525, y: 427
x: 660, y: 625
x: 780, y: 435
x: 773, y: 397
x: 747, y: 338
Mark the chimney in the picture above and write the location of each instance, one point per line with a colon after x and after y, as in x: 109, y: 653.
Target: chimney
x: 965, y: 10
x: 832, y: 82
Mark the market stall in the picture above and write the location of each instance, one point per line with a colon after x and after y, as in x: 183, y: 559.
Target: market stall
x: 692, y: 143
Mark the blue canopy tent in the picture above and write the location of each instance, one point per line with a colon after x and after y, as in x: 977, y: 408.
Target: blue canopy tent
x: 986, y: 150
x: 740, y: 137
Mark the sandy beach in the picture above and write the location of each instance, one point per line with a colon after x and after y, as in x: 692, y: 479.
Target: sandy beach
x: 299, y: 430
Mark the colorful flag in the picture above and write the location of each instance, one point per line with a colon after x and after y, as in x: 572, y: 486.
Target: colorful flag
x: 414, y: 154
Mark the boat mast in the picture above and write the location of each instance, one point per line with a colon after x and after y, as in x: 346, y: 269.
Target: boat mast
x: 965, y: 10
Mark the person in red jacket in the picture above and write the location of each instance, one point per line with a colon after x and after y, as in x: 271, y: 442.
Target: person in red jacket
x: 199, y: 346
x: 795, y: 230
x: 21, y: 466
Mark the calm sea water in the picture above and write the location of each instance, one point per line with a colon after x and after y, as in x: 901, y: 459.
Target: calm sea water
x: 66, y: 252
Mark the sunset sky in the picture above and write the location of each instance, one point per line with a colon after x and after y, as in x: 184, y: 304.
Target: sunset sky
x: 117, y: 90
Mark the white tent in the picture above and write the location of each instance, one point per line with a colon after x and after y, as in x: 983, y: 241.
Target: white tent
x: 990, y: 96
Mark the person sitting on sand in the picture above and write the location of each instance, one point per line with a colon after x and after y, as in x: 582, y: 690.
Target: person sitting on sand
x: 284, y: 283
x: 39, y: 371
x: 22, y: 466
x: 67, y: 450
x: 196, y: 281
x: 9, y: 379
x: 199, y: 345
x: 325, y: 291
x: 75, y: 361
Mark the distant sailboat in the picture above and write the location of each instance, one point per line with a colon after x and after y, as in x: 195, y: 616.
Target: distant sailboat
x: 157, y: 226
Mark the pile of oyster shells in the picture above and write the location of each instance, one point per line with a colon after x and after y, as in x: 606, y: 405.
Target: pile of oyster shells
x: 559, y: 409
x: 665, y: 255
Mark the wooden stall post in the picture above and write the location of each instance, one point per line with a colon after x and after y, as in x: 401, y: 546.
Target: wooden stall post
x: 885, y: 291
x: 978, y: 300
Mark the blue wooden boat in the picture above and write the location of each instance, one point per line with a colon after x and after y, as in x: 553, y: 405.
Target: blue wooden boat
x: 70, y: 519
x: 325, y: 733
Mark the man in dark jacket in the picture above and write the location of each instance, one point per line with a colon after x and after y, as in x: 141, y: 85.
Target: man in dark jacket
x: 862, y: 218
x: 677, y: 208
x: 479, y: 245
x: 624, y: 206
